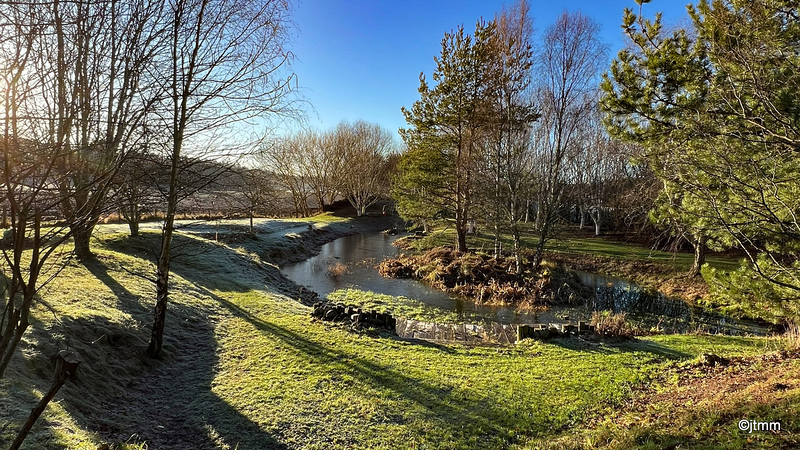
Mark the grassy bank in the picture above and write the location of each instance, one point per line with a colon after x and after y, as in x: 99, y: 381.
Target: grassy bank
x: 589, y: 246
x: 245, y: 367
x: 657, y: 270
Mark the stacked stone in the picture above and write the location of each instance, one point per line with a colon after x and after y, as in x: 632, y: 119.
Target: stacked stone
x: 335, y: 312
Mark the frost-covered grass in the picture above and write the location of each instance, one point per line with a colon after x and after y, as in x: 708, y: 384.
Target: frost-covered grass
x: 246, y: 367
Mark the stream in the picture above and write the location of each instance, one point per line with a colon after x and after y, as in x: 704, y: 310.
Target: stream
x: 360, y: 254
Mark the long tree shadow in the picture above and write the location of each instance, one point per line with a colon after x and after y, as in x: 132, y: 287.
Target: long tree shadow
x: 126, y: 300
x: 193, y: 347
x: 448, y: 408
x: 167, y: 403
x: 613, y: 346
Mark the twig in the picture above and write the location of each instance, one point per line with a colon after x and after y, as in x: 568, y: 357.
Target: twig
x: 144, y: 277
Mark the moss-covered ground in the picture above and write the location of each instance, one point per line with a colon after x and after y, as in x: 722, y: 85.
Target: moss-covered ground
x: 245, y: 367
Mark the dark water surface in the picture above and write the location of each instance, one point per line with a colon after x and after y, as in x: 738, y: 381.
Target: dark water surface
x: 362, y: 252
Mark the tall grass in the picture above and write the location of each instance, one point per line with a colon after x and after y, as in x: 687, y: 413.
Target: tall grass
x: 792, y: 336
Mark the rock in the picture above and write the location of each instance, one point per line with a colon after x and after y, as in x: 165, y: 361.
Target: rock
x: 710, y: 359
x: 542, y: 333
x: 330, y: 314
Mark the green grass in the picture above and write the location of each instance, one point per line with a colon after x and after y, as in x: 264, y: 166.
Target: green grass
x: 593, y: 246
x: 246, y: 367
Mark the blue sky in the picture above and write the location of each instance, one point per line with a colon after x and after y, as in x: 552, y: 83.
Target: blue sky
x: 361, y: 59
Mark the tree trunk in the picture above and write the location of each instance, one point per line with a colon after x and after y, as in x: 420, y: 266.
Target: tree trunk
x: 699, y: 256
x: 16, y: 319
x: 582, y: 213
x: 252, y: 229
x: 134, y: 227
x: 12, y: 339
x: 64, y: 370
x: 461, y: 239
x: 537, y: 255
x: 162, y: 271
x: 517, y: 256
x: 594, y: 214
x: 461, y: 227
x: 134, y: 217
x: 81, y: 235
x: 496, y: 240
x: 160, y: 314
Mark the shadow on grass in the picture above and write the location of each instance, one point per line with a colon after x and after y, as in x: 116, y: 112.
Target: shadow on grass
x: 126, y: 300
x: 175, y: 395
x: 620, y: 345
x: 218, y: 264
x: 167, y: 403
x: 448, y: 408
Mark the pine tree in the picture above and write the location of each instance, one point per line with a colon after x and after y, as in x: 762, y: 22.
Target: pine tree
x: 452, y: 113
x: 716, y: 109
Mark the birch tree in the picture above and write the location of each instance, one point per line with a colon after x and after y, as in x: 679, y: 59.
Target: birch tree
x: 226, y: 66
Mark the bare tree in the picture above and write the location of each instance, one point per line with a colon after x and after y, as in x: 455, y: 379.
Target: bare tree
x: 322, y: 166
x: 135, y: 186
x: 364, y: 149
x: 94, y: 61
x: 256, y: 193
x: 283, y: 158
x: 596, y: 171
x: 570, y: 63
x: 512, y: 112
x: 225, y: 66
x: 32, y: 249
x: 28, y: 174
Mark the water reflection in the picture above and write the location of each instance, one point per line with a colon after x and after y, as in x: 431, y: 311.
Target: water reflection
x: 360, y: 254
x: 656, y: 310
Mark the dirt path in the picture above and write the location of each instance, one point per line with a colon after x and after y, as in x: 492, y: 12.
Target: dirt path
x: 160, y: 407
x: 171, y: 405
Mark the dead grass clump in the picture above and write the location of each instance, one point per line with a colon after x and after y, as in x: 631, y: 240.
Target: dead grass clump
x: 394, y: 268
x: 610, y: 324
x: 337, y: 269
x: 484, y: 279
